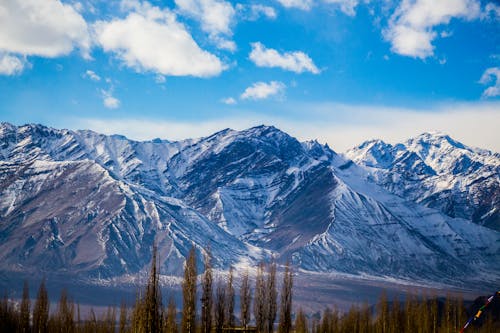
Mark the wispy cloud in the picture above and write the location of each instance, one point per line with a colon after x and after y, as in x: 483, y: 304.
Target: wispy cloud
x: 253, y: 12
x: 300, y: 4
x: 215, y: 16
x: 491, y: 76
x: 344, y: 126
x: 11, y: 65
x: 296, y: 61
x: 346, y: 6
x: 341, y: 126
x: 229, y: 101
x: 261, y: 10
x: 263, y: 90
x: 109, y: 100
x: 90, y: 74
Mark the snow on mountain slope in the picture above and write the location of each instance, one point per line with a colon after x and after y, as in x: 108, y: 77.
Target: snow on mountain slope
x: 438, y: 172
x: 85, y: 203
x: 75, y: 215
x: 236, y: 177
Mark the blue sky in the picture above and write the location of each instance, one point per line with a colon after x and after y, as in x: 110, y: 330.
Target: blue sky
x: 340, y: 71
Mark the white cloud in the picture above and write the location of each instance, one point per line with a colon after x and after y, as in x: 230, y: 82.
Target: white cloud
x: 151, y: 39
x: 341, y: 126
x: 346, y: 6
x: 299, y: 4
x: 491, y: 9
x: 215, y: 16
x: 255, y: 11
x: 11, y: 65
x: 92, y: 75
x: 46, y: 28
x: 109, y: 100
x: 223, y: 43
x: 297, y: 62
x: 229, y: 101
x: 160, y: 79
x: 263, y: 90
x: 491, y: 75
x: 267, y: 11
x: 412, y: 27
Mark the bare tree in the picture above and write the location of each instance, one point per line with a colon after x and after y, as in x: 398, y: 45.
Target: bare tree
x: 271, y: 297
x: 245, y: 300
x: 152, y: 302
x: 285, y: 324
x: 65, y: 313
x: 170, y: 322
x: 301, y: 322
x: 230, y: 299
x: 123, y: 318
x: 24, y: 315
x: 189, y: 294
x: 259, y: 304
x: 382, y: 324
x: 206, y: 298
x: 41, y: 310
x: 137, y: 317
x: 220, y: 307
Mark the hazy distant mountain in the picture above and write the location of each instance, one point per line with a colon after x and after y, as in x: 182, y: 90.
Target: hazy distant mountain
x: 78, y: 202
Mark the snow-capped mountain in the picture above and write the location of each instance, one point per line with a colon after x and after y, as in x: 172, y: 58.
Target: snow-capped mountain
x: 438, y: 172
x: 78, y: 202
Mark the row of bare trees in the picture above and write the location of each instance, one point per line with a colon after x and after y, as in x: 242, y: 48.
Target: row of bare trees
x: 415, y: 315
x: 148, y: 315
x: 218, y: 299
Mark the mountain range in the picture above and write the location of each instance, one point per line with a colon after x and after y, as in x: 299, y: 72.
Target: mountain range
x: 80, y: 203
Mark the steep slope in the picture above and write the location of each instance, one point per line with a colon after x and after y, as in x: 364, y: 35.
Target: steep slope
x: 438, y: 172
x: 89, y: 204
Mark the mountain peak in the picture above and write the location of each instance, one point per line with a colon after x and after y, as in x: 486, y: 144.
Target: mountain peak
x: 374, y: 144
x: 262, y: 130
x: 373, y: 153
x: 436, y: 138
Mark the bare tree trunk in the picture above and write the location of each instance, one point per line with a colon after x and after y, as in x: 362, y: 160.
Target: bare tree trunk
x: 301, y: 322
x: 206, y: 299
x: 230, y: 300
x: 24, y: 316
x: 220, y: 308
x: 286, y: 301
x: 259, y: 304
x: 153, y: 297
x: 271, y: 298
x: 171, y: 323
x: 65, y: 314
x: 123, y: 317
x: 189, y: 294
x: 41, y: 310
x: 245, y: 300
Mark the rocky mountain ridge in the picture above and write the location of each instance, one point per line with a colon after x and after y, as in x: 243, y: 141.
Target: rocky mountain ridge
x: 79, y: 202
